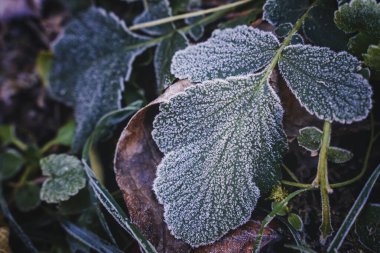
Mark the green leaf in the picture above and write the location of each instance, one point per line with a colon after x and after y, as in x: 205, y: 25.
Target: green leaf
x: 154, y: 10
x: 43, y: 65
x: 359, y: 16
x: 338, y: 155
x: 90, y: 62
x: 367, y: 227
x: 223, y: 143
x: 310, y: 138
x: 281, y: 211
x: 229, y: 52
x: 359, y: 43
x: 17, y: 230
x: 319, y: 27
x: 163, y: 58
x: 354, y: 212
x: 66, y: 177
x: 278, y: 12
x: 7, y: 134
x: 89, y: 239
x: 10, y: 163
x: 117, y: 212
x: 326, y: 83
x: 295, y: 221
x: 372, y: 57
x: 27, y: 197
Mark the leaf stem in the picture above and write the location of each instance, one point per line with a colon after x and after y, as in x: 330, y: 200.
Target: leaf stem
x: 187, y: 15
x: 291, y: 174
x: 322, y: 181
x: 296, y: 184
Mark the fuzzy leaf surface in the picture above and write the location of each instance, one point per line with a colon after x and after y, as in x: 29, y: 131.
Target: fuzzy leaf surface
x: 339, y: 155
x: 90, y: 61
x: 359, y: 15
x: 223, y: 143
x: 155, y: 9
x: 326, y: 83
x: 310, y: 138
x: 229, y: 52
x: 278, y: 12
x: 163, y: 58
x: 66, y: 177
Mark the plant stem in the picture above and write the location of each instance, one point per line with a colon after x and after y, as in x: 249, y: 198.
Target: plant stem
x: 187, y: 15
x: 372, y: 141
x: 296, y: 184
x: 19, y: 144
x: 322, y: 181
x: 291, y: 174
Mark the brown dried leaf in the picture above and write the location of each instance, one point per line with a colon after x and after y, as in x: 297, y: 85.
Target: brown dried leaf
x: 4, y: 240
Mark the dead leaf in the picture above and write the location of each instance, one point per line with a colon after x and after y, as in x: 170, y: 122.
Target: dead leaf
x: 4, y: 240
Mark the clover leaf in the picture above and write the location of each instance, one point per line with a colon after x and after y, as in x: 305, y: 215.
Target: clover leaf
x: 66, y: 177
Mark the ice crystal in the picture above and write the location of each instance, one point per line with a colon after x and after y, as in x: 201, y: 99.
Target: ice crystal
x: 223, y: 143
x: 278, y: 12
x: 229, y: 52
x: 90, y: 62
x: 326, y: 83
x: 155, y: 9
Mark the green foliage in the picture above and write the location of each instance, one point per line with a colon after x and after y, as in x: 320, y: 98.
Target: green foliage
x: 228, y: 150
x: 90, y: 63
x: 279, y: 12
x: 310, y: 138
x: 27, y: 197
x: 7, y: 134
x: 372, y: 57
x: 66, y: 177
x: 295, y: 221
x: 367, y: 227
x: 338, y: 155
x: 10, y: 163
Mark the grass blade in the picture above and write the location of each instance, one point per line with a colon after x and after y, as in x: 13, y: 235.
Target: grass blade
x: 117, y: 212
x: 89, y: 239
x: 354, y: 212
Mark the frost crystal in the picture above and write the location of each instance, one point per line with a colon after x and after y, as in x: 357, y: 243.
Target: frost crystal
x: 90, y: 62
x: 326, y: 83
x: 229, y: 52
x: 223, y: 143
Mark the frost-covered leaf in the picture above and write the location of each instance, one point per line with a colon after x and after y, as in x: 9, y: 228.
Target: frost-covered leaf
x: 326, y: 83
x: 66, y: 177
x: 372, y: 57
x: 91, y: 60
x: 359, y: 15
x: 283, y: 29
x: 339, y: 155
x: 229, y: 52
x: 310, y: 138
x: 278, y: 12
x: 319, y: 27
x: 223, y: 144
x: 163, y: 58
x: 154, y: 10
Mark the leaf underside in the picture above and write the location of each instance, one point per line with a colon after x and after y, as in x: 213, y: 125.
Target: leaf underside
x: 91, y: 61
x: 326, y: 83
x: 223, y: 144
x: 229, y: 52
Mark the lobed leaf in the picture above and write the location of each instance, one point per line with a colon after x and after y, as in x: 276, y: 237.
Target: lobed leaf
x: 338, y: 155
x: 163, y: 58
x: 154, y: 10
x: 359, y: 15
x: 326, y: 83
x: 229, y: 52
x: 66, y: 177
x: 223, y: 143
x: 90, y: 62
x: 278, y: 12
x: 310, y: 138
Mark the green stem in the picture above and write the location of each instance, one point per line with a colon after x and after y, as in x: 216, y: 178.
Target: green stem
x: 372, y: 141
x: 187, y: 15
x: 295, y: 184
x: 291, y: 174
x: 47, y: 146
x: 19, y: 144
x: 322, y: 181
